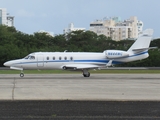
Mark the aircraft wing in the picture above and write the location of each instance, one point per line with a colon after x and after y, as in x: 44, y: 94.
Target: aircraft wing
x: 79, y: 66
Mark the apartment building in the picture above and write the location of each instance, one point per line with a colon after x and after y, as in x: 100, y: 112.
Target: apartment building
x: 140, y: 27
x: 71, y: 28
x: 5, y: 18
x: 117, y: 29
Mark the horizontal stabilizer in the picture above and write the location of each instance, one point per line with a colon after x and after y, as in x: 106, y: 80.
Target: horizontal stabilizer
x: 143, y: 49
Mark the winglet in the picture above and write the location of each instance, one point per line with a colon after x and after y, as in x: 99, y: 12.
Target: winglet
x: 109, y: 63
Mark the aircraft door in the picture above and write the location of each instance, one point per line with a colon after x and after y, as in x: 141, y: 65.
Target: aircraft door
x: 40, y: 61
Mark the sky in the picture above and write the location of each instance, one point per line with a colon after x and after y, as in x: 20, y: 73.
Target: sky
x: 55, y: 15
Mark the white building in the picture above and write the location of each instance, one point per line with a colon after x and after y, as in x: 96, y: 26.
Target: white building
x: 140, y: 27
x: 117, y: 29
x: 5, y: 19
x: 71, y: 28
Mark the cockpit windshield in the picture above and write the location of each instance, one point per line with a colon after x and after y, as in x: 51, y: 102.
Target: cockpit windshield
x: 31, y: 57
x: 26, y: 57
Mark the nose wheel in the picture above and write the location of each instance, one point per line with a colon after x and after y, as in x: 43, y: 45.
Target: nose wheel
x: 21, y: 74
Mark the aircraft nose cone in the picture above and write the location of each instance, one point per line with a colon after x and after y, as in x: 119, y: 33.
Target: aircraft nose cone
x: 6, y: 64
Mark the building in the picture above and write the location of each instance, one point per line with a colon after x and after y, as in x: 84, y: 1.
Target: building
x: 5, y: 18
x: 71, y: 28
x: 140, y: 27
x: 117, y: 29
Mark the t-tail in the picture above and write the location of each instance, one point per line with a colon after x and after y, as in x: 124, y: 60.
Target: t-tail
x: 139, y: 49
x: 142, y: 43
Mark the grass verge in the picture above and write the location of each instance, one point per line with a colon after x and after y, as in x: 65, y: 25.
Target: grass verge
x: 74, y: 72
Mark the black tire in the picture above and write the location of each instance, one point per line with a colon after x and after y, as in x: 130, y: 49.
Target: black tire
x: 86, y: 75
x: 64, y: 68
x: 21, y: 74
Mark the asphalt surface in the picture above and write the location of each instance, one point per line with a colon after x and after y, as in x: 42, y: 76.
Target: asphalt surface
x: 79, y: 110
x: 73, y: 97
x: 76, y: 87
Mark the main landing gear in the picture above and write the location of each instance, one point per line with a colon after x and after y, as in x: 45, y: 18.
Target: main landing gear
x: 86, y: 73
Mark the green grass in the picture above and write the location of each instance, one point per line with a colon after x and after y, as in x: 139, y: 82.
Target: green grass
x: 77, y: 72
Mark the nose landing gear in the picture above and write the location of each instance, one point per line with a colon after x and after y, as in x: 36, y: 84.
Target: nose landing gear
x: 21, y: 74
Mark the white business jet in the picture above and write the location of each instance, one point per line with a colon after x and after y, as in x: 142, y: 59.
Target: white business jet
x: 84, y: 61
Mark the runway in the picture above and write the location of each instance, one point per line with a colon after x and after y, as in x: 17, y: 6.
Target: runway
x: 72, y: 96
x: 98, y: 87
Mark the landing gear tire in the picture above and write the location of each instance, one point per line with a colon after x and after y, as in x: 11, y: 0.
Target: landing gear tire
x: 86, y: 75
x: 64, y: 67
x: 21, y: 74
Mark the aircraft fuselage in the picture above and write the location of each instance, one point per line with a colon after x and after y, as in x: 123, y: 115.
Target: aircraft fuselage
x: 56, y: 60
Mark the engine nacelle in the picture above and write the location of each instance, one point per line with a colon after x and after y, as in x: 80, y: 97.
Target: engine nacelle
x: 113, y: 54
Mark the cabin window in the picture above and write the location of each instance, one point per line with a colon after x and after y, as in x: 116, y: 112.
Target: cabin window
x: 53, y: 58
x: 71, y: 58
x: 60, y: 58
x: 65, y: 58
x: 47, y: 58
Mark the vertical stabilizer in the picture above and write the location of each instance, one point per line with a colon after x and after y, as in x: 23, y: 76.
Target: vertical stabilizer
x: 143, y: 42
